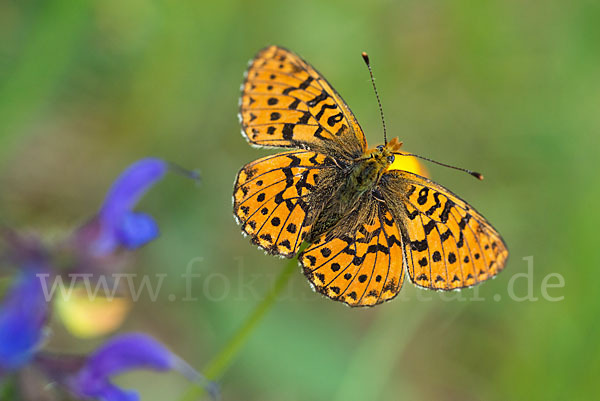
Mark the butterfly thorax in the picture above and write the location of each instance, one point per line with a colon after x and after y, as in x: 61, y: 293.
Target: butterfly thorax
x: 366, y: 172
x: 367, y: 169
x: 359, y: 179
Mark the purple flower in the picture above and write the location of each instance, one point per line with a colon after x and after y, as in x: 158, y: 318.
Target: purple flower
x: 23, y: 314
x: 122, y: 354
x: 24, y: 309
x: 118, y: 224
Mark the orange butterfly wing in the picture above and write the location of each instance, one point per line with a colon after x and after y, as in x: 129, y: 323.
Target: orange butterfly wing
x: 285, y: 102
x: 447, y: 243
x: 269, y: 199
x: 444, y: 242
x: 363, y: 268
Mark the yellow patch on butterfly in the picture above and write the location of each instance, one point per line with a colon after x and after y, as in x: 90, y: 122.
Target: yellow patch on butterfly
x: 410, y: 164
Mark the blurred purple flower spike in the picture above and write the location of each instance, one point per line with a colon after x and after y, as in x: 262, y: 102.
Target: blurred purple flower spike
x: 119, y: 225
x: 23, y: 314
x: 24, y: 308
x: 125, y: 353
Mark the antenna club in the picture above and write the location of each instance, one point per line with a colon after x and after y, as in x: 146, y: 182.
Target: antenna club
x: 365, y: 57
x: 477, y: 175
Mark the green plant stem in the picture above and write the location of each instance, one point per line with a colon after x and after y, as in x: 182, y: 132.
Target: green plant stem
x: 219, y: 364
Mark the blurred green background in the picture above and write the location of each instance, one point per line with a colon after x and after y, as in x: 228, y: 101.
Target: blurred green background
x: 509, y: 88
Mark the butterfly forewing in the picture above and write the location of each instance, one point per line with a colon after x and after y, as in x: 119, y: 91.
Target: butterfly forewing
x: 270, y: 199
x: 286, y: 103
x: 363, y: 268
x: 447, y: 243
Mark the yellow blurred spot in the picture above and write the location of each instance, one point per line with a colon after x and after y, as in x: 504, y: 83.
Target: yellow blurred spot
x: 409, y: 163
x: 85, y: 317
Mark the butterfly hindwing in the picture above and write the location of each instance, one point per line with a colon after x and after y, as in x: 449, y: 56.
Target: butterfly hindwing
x: 448, y: 244
x: 362, y: 268
x: 269, y: 199
x: 285, y: 102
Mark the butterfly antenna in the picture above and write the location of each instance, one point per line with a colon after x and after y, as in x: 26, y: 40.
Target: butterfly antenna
x: 365, y: 57
x: 475, y: 174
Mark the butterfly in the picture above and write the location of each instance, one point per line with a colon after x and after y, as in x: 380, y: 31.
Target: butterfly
x: 366, y: 225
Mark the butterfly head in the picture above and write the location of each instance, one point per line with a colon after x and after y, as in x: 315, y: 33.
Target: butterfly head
x: 383, y: 155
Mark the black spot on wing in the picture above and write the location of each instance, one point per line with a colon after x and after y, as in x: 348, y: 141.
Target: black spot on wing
x: 288, y: 131
x: 318, y: 99
x: 392, y: 240
x: 438, y: 204
x: 446, y: 212
x: 423, y: 193
x: 294, y: 104
x: 333, y: 120
x: 463, y: 222
x: 429, y: 227
x: 423, y: 277
x: 419, y: 245
x: 412, y: 215
x: 323, y: 108
x: 461, y: 240
x: 326, y: 252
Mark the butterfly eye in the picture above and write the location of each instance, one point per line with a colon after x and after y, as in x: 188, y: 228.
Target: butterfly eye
x: 391, y: 158
x: 380, y: 148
